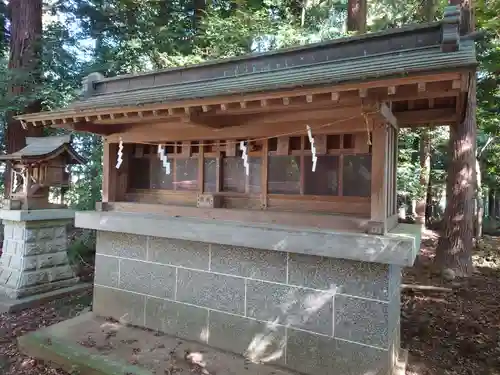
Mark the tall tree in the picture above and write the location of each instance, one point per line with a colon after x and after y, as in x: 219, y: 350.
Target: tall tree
x: 454, y: 251
x: 425, y: 171
x: 25, y: 67
x: 429, y: 10
x: 356, y: 15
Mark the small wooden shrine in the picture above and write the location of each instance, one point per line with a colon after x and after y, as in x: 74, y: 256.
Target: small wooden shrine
x: 250, y: 203
x: 36, y: 168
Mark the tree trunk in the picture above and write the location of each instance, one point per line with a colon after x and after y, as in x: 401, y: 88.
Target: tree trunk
x: 454, y: 249
x: 429, y: 8
x: 429, y: 208
x: 199, y: 7
x: 491, y: 204
x: 25, y: 67
x: 425, y: 169
x: 303, y: 13
x: 356, y: 15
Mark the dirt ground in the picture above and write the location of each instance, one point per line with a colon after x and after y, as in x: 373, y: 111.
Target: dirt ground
x: 17, y: 324
x: 454, y: 329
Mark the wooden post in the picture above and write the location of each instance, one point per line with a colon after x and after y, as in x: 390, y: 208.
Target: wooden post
x: 264, y: 174
x: 109, y: 172
x: 201, y: 167
x: 122, y: 173
x: 379, y: 180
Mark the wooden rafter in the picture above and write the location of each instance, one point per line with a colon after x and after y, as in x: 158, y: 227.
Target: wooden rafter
x: 363, y: 89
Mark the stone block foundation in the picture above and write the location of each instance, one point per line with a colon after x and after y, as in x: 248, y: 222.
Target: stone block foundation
x: 312, y: 314
x: 34, y: 258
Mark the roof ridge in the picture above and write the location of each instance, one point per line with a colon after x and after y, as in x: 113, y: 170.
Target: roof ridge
x: 271, y: 75
x: 271, y: 71
x: 330, y: 42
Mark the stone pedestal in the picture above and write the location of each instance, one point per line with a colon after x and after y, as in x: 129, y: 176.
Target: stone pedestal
x: 313, y: 301
x: 34, y: 258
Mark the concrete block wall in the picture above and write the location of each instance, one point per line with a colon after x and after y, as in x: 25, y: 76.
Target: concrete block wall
x: 312, y: 314
x: 34, y: 258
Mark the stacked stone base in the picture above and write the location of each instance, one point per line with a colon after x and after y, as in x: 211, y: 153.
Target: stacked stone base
x: 311, y: 314
x: 34, y: 258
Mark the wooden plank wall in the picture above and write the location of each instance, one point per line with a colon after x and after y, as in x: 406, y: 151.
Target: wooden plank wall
x: 115, y: 186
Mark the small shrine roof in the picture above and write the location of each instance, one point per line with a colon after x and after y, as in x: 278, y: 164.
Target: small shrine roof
x: 43, y: 148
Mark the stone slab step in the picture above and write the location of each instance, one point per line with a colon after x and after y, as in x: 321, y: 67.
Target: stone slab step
x: 90, y: 345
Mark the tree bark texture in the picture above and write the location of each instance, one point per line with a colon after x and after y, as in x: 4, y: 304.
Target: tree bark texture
x: 454, y: 249
x: 356, y: 15
x: 491, y: 204
x: 199, y: 8
x: 425, y: 169
x: 25, y: 68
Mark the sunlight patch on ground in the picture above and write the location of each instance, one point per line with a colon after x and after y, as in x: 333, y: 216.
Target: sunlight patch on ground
x: 487, y: 253
x: 481, y: 261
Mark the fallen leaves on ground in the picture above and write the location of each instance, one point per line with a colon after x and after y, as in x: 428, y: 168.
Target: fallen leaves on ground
x: 12, y: 362
x: 455, y: 332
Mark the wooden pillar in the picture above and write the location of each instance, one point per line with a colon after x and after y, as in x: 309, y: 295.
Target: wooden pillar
x: 109, y: 174
x: 379, y: 179
x: 384, y: 182
x: 122, y: 173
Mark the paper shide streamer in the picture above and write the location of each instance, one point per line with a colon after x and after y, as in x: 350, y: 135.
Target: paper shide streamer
x: 244, y: 156
x: 162, y: 154
x: 313, y: 148
x: 119, y: 158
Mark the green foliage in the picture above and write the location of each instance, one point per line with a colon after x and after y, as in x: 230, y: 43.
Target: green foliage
x: 86, y: 189
x: 81, y: 250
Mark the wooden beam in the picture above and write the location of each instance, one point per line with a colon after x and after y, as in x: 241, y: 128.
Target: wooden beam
x: 387, y: 114
x: 436, y: 116
x: 155, y: 131
x: 89, y: 127
x: 325, y: 114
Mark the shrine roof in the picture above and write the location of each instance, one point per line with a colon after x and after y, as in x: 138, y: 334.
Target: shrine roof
x: 396, y: 53
x: 43, y: 148
x: 147, y: 89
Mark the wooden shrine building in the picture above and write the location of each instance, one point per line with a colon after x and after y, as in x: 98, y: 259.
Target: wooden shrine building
x: 214, y: 218
x: 38, y: 167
